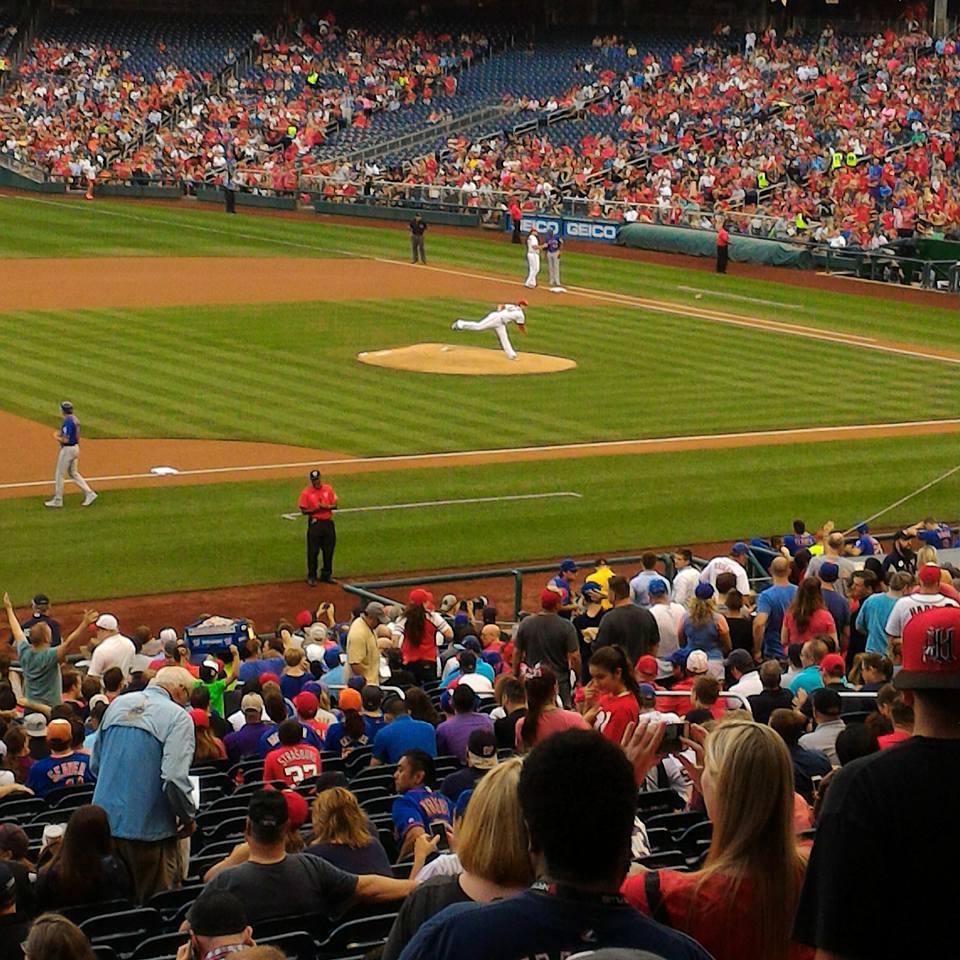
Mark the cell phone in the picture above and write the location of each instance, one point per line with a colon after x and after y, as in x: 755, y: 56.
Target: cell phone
x: 672, y: 734
x: 815, y: 784
x: 440, y: 830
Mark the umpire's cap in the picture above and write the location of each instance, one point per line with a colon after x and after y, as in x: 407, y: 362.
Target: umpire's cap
x: 66, y: 407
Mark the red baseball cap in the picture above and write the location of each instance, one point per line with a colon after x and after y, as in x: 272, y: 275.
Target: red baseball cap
x: 296, y: 808
x: 420, y: 595
x: 549, y: 599
x: 199, y: 717
x: 304, y: 618
x: 833, y: 664
x: 268, y: 678
x: 931, y: 651
x: 306, y: 703
x: 647, y: 665
x: 929, y: 573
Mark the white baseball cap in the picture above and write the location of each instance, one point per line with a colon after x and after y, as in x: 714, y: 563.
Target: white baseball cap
x: 314, y: 652
x: 168, y: 633
x: 107, y: 621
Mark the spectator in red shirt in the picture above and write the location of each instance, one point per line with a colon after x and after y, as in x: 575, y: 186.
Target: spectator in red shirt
x: 207, y: 746
x: 901, y: 716
x: 292, y: 761
x: 612, y: 697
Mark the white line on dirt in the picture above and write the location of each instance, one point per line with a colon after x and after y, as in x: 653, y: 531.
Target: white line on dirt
x: 447, y: 503
x: 405, y: 459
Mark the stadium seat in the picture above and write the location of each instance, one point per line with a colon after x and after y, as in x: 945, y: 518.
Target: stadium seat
x: 15, y: 806
x: 225, y: 829
x: 169, y: 902
x: 363, y: 935
x: 316, y: 925
x: 161, y: 946
x: 123, y: 930
x: 84, y: 911
x: 69, y: 798
x: 103, y: 952
x: 676, y: 823
x: 381, y: 804
x: 651, y: 803
x: 357, y: 760
x: 296, y: 945
x: 665, y: 859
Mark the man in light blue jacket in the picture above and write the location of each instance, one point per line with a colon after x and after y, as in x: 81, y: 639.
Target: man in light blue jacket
x: 142, y: 759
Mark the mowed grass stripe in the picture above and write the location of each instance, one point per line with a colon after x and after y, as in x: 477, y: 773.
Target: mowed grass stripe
x: 232, y: 533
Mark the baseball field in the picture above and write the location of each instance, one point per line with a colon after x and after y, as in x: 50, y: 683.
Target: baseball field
x: 695, y: 408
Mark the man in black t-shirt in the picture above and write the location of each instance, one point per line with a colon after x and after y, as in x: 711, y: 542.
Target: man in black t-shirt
x: 13, y: 925
x: 774, y: 696
x: 417, y: 229
x: 903, y: 798
x: 514, y: 702
x: 549, y: 639
x: 627, y: 625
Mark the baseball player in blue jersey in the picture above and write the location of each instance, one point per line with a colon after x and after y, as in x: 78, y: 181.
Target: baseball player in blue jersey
x: 68, y: 436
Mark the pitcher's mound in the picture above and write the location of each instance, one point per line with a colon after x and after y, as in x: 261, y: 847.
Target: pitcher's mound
x: 467, y: 361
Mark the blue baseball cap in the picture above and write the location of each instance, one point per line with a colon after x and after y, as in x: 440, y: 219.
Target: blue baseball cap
x: 704, y: 591
x: 332, y: 658
x: 657, y: 588
x: 591, y: 586
x: 739, y: 548
x: 568, y: 566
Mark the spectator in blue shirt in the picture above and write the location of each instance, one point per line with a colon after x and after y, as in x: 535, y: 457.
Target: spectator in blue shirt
x: 419, y: 805
x: 837, y: 605
x: 640, y: 584
x: 65, y: 767
x: 809, y: 678
x: 772, y: 605
x: 562, y: 584
x: 402, y: 733
x: 142, y: 760
x: 875, y: 612
x: 799, y: 539
x: 260, y: 662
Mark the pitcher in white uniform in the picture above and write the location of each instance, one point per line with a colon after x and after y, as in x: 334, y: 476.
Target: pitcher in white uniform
x: 533, y: 257
x: 498, y: 320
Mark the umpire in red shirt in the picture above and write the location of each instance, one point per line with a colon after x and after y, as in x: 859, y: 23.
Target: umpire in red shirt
x: 318, y: 501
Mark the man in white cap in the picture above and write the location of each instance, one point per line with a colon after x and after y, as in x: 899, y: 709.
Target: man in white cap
x: 111, y: 648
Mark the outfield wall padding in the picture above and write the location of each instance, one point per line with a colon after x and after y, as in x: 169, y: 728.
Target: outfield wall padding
x: 10, y: 179
x: 215, y: 195
x: 138, y: 191
x: 703, y: 243
x: 375, y: 212
x: 931, y: 249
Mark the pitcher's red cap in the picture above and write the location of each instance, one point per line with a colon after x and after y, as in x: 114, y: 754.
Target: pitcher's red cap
x: 931, y: 651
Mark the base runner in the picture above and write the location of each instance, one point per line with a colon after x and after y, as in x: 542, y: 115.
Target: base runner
x: 498, y: 320
x: 68, y: 436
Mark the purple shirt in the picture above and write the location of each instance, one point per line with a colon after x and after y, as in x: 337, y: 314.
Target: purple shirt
x: 244, y: 742
x: 453, y: 734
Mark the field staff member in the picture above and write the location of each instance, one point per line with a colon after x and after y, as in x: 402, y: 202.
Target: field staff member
x: 318, y: 501
x: 68, y: 436
x: 723, y: 244
x: 417, y: 229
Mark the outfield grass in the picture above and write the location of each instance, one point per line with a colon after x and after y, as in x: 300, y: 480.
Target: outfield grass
x: 149, y: 372
x: 145, y: 541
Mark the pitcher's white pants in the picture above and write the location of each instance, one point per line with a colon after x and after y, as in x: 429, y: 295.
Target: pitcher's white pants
x: 490, y: 322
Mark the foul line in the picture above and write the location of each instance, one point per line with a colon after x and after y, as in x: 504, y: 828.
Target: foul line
x: 405, y: 459
x: 737, y: 296
x: 658, y: 306
x: 447, y: 503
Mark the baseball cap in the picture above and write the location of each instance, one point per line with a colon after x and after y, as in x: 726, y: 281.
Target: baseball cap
x: 376, y: 609
x: 166, y: 635
x: 371, y: 697
x: 99, y: 698
x: 14, y: 840
x: 833, y: 664
x: 217, y: 913
x: 447, y: 602
x: 331, y: 658
x: 314, y: 474
x: 200, y: 717
x: 314, y: 652
x: 931, y: 651
x: 304, y: 618
x: 306, y: 704
x: 704, y: 591
x: 66, y: 406
x: 419, y: 595
x: 252, y: 703
x: 482, y: 750
x: 107, y: 621
x: 647, y: 693
x: 349, y: 699
x: 829, y: 572
x: 59, y: 729
x: 591, y: 587
x: 521, y: 303
x: 568, y: 566
x: 929, y: 574
x: 740, y: 659
x: 170, y: 648
x: 739, y: 548
x: 35, y: 725
x: 657, y: 588
x: 549, y: 599
x: 211, y: 665
x: 41, y: 600
x: 903, y: 535
x: 296, y: 808
x: 647, y: 666
x: 472, y: 643
x: 8, y: 886
x: 825, y: 700
x: 697, y: 662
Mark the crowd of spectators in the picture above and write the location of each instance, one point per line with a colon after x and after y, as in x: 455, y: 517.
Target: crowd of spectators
x: 503, y: 786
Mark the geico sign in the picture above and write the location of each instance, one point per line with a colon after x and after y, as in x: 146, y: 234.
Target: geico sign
x: 541, y: 226
x: 591, y: 231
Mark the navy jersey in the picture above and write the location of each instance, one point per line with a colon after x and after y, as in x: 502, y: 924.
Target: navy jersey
x: 420, y: 808
x: 70, y: 430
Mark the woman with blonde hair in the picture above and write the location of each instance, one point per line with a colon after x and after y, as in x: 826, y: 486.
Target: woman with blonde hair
x: 705, y: 629
x: 740, y: 904
x: 493, y: 847
x: 341, y: 835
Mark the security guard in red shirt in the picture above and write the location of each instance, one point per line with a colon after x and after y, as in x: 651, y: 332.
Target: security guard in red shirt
x: 318, y: 501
